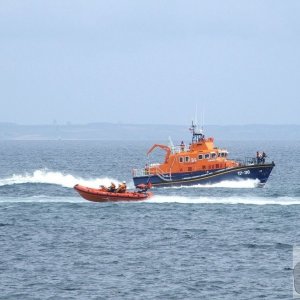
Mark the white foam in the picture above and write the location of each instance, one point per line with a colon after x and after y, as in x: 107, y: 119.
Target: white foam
x: 58, y: 178
x: 226, y: 200
x: 42, y: 199
x: 240, y: 184
x: 166, y: 199
x: 68, y: 180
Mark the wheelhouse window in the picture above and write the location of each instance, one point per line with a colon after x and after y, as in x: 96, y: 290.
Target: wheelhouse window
x: 181, y: 159
x: 213, y: 155
x: 187, y: 159
x: 200, y: 156
x: 207, y: 156
x: 224, y: 154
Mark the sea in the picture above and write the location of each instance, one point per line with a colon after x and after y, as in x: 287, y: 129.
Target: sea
x: 231, y: 240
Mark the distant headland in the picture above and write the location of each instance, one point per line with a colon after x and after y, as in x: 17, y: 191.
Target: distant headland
x: 116, y: 131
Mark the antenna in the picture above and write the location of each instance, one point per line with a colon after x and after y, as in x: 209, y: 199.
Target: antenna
x: 202, y: 125
x: 196, y: 114
x: 171, y: 142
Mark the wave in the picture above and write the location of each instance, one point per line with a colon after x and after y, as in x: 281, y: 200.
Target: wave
x: 58, y: 178
x: 241, y: 184
x: 225, y: 200
x: 161, y: 199
x: 42, y: 199
x: 45, y: 176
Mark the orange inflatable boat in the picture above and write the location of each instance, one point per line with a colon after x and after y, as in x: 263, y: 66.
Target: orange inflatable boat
x: 102, y: 195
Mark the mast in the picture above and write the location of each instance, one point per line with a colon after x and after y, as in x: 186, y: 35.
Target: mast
x: 197, y: 132
x: 198, y: 135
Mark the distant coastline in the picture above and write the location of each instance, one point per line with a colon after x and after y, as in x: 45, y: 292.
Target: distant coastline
x: 113, y: 131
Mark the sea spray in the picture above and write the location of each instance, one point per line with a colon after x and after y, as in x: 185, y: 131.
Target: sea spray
x: 54, y: 177
x: 45, y: 176
x: 225, y: 200
x: 238, y: 184
x: 164, y: 199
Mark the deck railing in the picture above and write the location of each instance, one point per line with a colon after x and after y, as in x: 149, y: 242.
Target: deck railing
x: 154, y: 170
x: 179, y: 149
x: 247, y: 161
x: 139, y: 172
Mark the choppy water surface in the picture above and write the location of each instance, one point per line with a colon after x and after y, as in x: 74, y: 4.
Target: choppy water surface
x: 225, y: 241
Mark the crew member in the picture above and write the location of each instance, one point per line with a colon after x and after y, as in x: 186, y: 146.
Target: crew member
x: 182, y: 146
x: 146, y: 169
x: 103, y: 188
x: 112, y: 187
x: 122, y: 187
x: 258, y: 157
x: 263, y: 157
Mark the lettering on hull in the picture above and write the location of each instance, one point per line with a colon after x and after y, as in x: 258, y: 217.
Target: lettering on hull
x: 246, y: 172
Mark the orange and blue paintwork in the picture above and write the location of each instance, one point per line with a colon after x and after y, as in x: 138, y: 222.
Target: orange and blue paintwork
x: 200, y: 163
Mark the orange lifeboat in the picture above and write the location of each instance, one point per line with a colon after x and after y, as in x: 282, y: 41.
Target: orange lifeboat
x: 200, y: 163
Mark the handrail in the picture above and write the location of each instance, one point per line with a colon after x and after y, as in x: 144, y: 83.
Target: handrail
x: 161, y: 175
x: 157, y: 171
x: 139, y: 172
x: 179, y: 149
x: 247, y: 161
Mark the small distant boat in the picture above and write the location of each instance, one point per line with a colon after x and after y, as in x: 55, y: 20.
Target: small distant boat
x: 201, y: 163
x: 102, y: 195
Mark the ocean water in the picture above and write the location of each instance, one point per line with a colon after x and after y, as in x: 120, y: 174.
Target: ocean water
x: 225, y: 241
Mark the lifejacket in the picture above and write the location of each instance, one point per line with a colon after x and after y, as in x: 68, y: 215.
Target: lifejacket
x: 122, y: 188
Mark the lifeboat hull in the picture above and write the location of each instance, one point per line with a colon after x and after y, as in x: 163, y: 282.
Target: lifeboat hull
x: 100, y: 195
x: 254, y: 172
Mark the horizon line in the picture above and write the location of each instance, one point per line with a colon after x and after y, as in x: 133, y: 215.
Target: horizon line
x: 141, y: 124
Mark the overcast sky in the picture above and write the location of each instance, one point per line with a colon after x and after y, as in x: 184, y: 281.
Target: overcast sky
x: 149, y: 61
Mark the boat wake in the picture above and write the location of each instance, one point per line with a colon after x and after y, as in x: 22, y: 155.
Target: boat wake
x: 241, y: 184
x: 57, y: 178
x: 226, y: 200
x: 45, y: 176
x: 161, y: 199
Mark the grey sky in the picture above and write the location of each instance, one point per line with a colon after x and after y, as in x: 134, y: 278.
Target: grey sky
x: 149, y: 61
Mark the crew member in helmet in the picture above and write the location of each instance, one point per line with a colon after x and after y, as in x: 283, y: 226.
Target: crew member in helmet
x: 122, y: 187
